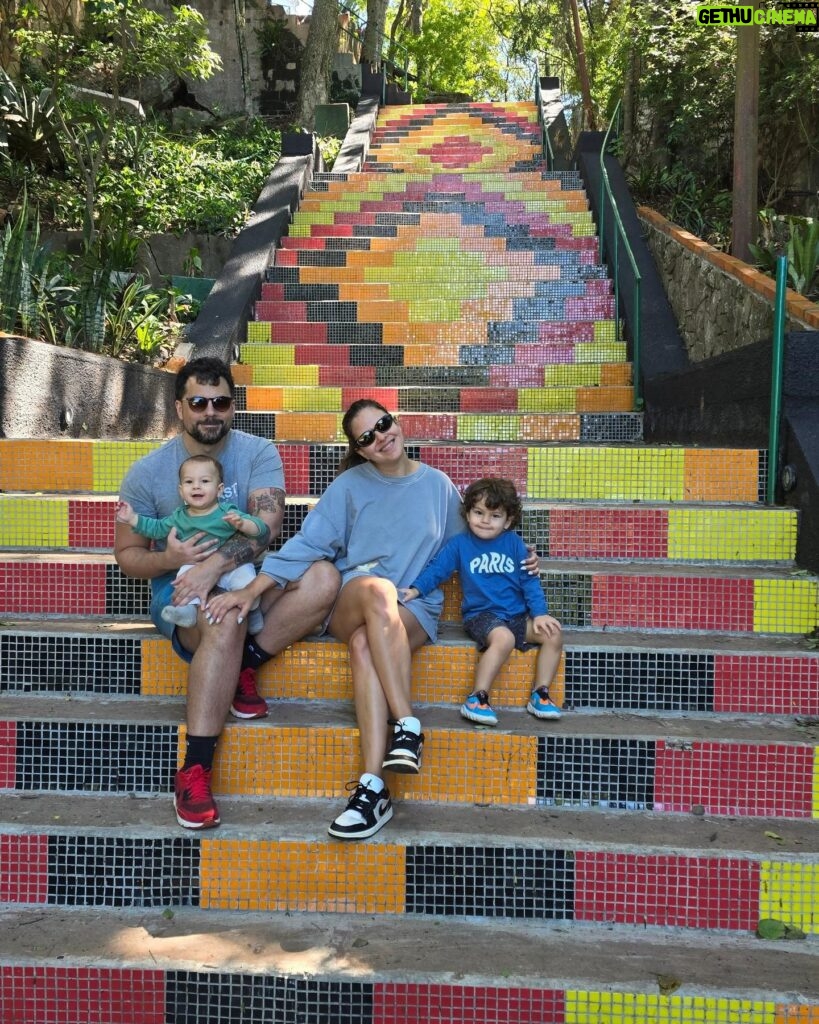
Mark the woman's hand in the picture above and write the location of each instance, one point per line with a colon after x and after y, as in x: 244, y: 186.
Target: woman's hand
x: 219, y: 605
x: 407, y: 593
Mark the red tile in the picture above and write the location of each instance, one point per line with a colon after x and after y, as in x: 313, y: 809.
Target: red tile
x: 666, y: 890
x: 298, y: 331
x: 296, y: 462
x: 280, y: 310
x: 323, y: 355
x: 772, y: 781
x: 90, y: 523
x: 286, y: 258
x: 54, y: 995
x: 516, y: 376
x: 463, y: 465
x: 648, y: 602
x: 301, y: 242
x: 489, y: 400
x: 346, y: 376
x: 66, y: 589
x: 401, y: 1003
x: 608, y: 533
x: 388, y: 397
x: 23, y: 869
x: 8, y: 755
x: 773, y: 685
x: 331, y: 230
x: 272, y: 291
x: 436, y: 427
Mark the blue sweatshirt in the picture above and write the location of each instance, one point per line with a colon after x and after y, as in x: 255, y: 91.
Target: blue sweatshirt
x: 492, y: 579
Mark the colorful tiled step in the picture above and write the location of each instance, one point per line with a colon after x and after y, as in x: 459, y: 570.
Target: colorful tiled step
x: 649, y: 533
x: 566, y: 473
x: 585, y: 878
x: 654, y: 674
x: 584, y: 761
x: 723, y: 599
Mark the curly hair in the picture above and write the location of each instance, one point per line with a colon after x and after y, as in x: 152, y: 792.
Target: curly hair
x: 495, y: 492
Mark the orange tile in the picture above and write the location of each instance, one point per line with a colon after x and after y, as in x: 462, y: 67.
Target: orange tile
x: 549, y: 427
x: 46, y: 465
x: 314, y: 426
x: 241, y: 373
x: 264, y: 399
x: 369, y: 259
x: 721, y: 475
x: 355, y: 292
x: 163, y: 673
x: 795, y: 1013
x: 366, y: 878
x: 612, y: 374
x: 608, y: 399
x: 383, y: 312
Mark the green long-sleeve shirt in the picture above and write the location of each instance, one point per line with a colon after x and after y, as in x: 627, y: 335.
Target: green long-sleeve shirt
x: 213, y: 524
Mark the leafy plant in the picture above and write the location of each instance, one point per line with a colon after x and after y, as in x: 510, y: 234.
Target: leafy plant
x: 794, y: 237
x: 29, y: 125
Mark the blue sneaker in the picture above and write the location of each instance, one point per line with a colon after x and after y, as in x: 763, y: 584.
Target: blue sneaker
x: 477, y: 708
x: 541, y: 704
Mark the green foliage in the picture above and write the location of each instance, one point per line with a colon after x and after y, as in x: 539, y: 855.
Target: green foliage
x: 697, y: 206
x: 29, y: 126
x: 456, y: 52
x: 794, y: 237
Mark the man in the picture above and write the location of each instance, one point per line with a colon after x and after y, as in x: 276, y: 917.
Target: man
x: 217, y: 655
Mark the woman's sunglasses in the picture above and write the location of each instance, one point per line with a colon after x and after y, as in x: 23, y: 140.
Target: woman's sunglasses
x: 221, y: 403
x: 381, y: 427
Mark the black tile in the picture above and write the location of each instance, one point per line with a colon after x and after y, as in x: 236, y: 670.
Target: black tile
x: 62, y: 662
x: 578, y: 771
x: 640, y: 680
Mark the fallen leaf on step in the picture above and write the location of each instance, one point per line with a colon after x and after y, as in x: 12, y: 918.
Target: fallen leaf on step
x: 667, y: 984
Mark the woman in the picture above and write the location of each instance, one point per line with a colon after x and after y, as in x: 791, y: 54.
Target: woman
x: 380, y: 521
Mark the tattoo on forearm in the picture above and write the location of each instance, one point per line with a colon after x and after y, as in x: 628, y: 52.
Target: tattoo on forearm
x: 240, y: 549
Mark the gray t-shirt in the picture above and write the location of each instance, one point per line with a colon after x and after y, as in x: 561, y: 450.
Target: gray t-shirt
x: 367, y: 523
x: 151, y: 485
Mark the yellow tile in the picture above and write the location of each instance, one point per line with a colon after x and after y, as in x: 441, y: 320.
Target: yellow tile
x: 638, y: 1008
x: 789, y: 892
x: 33, y: 522
x: 113, y: 459
x: 647, y: 474
x: 366, y: 878
x: 261, y: 355
x: 257, y: 331
x: 732, y: 534
x: 551, y: 399
x: 785, y: 606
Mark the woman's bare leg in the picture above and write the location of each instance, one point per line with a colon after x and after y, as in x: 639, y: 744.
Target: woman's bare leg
x: 381, y: 636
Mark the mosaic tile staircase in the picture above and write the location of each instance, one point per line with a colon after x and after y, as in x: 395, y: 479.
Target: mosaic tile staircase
x: 541, y: 872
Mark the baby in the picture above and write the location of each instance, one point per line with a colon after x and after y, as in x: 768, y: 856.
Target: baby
x: 201, y: 483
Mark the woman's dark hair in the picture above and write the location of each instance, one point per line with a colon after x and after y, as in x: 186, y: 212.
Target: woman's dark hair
x: 495, y: 492
x: 353, y: 457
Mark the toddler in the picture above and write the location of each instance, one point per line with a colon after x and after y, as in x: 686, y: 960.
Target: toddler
x: 503, y: 606
x: 201, y: 483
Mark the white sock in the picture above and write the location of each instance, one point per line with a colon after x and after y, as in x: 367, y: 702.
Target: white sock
x: 372, y: 782
x: 411, y: 724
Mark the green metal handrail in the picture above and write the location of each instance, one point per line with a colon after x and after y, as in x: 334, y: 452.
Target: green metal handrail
x: 620, y: 238
x: 778, y: 360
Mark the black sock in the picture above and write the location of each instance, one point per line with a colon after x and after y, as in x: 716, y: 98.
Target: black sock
x: 200, y: 750
x: 254, y: 656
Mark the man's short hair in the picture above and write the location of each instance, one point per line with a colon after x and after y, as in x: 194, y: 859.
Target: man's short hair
x: 204, y: 370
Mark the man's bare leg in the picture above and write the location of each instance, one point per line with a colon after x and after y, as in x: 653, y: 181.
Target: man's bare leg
x: 291, y: 614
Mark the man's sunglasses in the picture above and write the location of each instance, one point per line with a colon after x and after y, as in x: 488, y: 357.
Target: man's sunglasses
x: 221, y: 403
x: 381, y: 427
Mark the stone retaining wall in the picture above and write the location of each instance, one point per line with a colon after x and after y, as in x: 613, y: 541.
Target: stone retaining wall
x: 720, y: 303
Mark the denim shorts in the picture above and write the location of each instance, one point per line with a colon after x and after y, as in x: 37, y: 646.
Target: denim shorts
x: 162, y: 594
x: 481, y: 625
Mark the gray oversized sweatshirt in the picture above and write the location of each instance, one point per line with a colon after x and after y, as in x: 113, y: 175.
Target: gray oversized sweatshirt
x: 367, y: 523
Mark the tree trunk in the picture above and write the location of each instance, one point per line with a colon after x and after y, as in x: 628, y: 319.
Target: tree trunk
x: 374, y: 33
x: 746, y: 142
x: 582, y: 70
x: 317, y: 62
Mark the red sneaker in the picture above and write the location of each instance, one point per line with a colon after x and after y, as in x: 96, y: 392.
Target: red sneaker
x: 193, y: 800
x: 247, y: 703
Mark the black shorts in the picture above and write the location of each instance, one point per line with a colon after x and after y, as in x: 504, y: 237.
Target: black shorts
x: 480, y: 626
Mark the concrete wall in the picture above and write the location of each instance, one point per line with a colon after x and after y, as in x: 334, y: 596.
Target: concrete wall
x: 720, y: 303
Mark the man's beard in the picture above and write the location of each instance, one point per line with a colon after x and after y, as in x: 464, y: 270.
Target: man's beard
x: 207, y: 433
